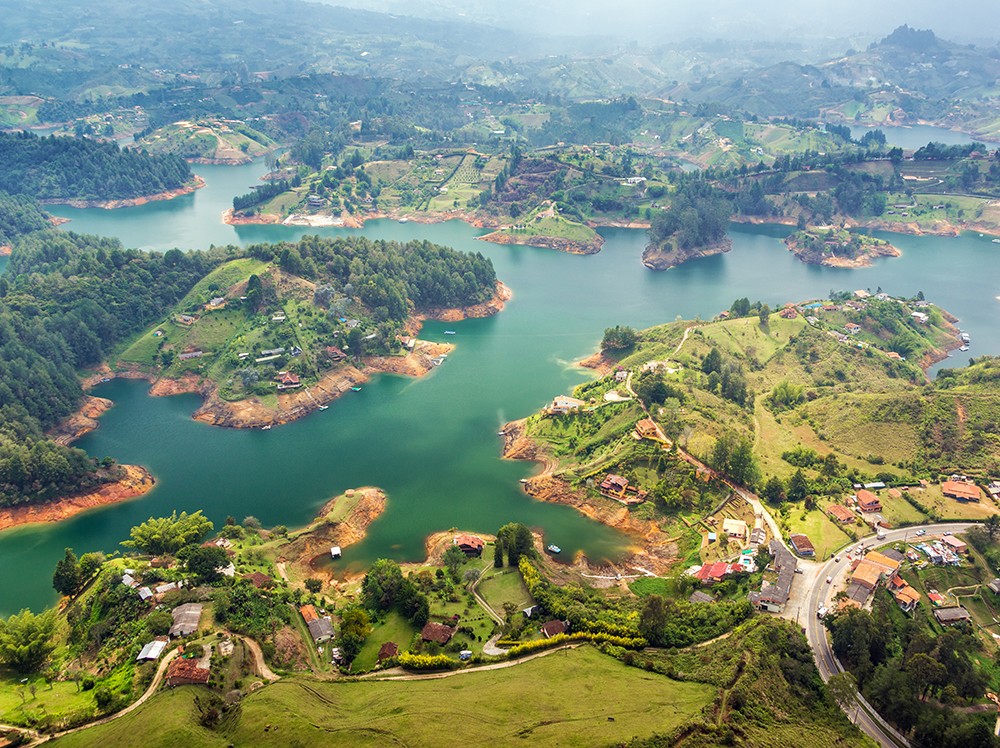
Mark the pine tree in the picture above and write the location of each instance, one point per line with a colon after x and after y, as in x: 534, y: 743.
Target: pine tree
x: 67, y: 578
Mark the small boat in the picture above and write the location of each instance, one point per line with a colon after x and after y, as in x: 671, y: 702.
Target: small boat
x: 964, y: 348
x: 449, y: 332
x: 105, y: 379
x: 965, y: 337
x: 355, y: 389
x: 501, y: 433
x: 324, y: 407
x: 266, y: 428
x: 996, y: 241
x: 553, y: 549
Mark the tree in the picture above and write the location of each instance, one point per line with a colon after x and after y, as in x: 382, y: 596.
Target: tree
x: 381, y: 585
x: 517, y: 540
x: 619, y: 338
x: 355, y: 626
x: 169, y: 534
x: 67, y: 577
x: 498, y: 554
x: 798, y: 486
x: 764, y: 313
x: 313, y: 584
x: 90, y: 564
x: 774, y: 490
x: 712, y: 361
x: 27, y: 640
x: 204, y: 562
x: 653, y: 619
x: 843, y: 688
x: 992, y: 526
x: 453, y: 560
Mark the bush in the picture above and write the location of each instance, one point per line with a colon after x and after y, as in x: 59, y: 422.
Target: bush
x: 411, y: 661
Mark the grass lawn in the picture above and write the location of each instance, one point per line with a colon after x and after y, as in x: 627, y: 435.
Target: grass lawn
x: 500, y: 586
x: 60, y: 701
x: 570, y: 698
x: 824, y: 534
x: 940, y: 506
x: 394, y: 628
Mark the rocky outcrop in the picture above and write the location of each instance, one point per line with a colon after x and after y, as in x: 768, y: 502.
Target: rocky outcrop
x: 82, y: 422
x: 657, y: 257
x: 495, y: 305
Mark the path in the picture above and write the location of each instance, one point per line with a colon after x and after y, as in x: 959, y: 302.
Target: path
x: 280, y: 566
x: 490, y: 648
x: 683, y: 340
x: 258, y: 657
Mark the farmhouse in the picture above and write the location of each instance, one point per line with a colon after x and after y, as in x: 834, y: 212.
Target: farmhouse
x: 308, y: 613
x: 187, y: 672
x: 288, y: 381
x: 646, y: 429
x: 618, y: 488
x: 470, y: 545
x: 840, y: 513
x: 712, y: 573
x: 852, y: 328
x: 320, y: 630
x: 553, y: 628
x: 436, y: 632
x: 961, y: 490
x: 954, y: 544
x: 333, y: 353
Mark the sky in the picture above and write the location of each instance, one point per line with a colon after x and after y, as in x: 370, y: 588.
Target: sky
x: 652, y: 21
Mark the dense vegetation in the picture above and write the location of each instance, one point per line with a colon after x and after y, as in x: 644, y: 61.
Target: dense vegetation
x: 19, y: 215
x: 53, y: 168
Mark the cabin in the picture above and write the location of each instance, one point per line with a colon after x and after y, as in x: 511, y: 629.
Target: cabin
x: 387, y: 651
x: 554, y: 628
x: 186, y: 619
x: 564, y: 404
x: 802, y: 545
x: 287, y: 380
x: 218, y: 302
x: 470, y: 545
x: 437, y: 632
x: 852, y: 329
x: 960, y: 490
x: 187, y: 672
x: 867, y: 501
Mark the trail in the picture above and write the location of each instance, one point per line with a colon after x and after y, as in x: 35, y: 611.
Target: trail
x: 493, y: 666
x: 683, y: 340
x: 258, y: 657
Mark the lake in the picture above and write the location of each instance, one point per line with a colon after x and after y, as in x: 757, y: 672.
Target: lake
x: 432, y: 443
x: 913, y: 137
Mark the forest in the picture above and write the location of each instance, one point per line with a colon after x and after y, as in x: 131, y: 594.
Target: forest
x: 54, y: 168
x: 19, y: 215
x: 65, y: 300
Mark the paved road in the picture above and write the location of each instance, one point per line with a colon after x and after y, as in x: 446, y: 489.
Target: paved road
x: 817, y: 592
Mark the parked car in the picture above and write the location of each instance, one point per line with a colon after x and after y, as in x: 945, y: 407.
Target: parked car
x: 829, y: 580
x: 921, y: 532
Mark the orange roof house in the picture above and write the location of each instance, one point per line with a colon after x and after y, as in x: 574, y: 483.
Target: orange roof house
x: 309, y: 613
x: 186, y: 672
x: 960, y: 490
x: 868, y: 502
x: 886, y: 564
x: 436, y: 632
x: 470, y: 545
x: 840, y: 513
x: 867, y: 575
x: 646, y: 429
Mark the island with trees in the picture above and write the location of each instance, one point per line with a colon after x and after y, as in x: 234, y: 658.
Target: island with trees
x: 838, y: 247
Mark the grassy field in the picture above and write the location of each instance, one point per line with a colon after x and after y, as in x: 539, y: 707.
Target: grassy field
x: 824, y: 534
x: 394, y: 628
x: 60, y: 700
x: 501, y: 586
x: 571, y: 698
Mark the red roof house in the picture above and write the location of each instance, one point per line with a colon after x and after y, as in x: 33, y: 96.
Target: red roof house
x: 960, y: 490
x: 470, y: 545
x: 387, y: 650
x: 868, y: 502
x: 186, y: 672
x: 840, y: 513
x: 437, y: 632
x: 553, y: 628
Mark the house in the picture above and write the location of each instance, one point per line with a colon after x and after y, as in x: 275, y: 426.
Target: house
x: 128, y: 580
x: 187, y: 672
x: 700, y: 597
x: 621, y: 375
x: 907, y: 598
x: 735, y: 528
x: 217, y: 303
x: 646, y: 429
x: 436, y: 632
x: 259, y: 580
x: 852, y: 328
x: 186, y: 319
x: 315, y: 201
x: 565, y: 404
x: 758, y: 536
x: 867, y: 501
x: 287, y: 380
x: 278, y: 317
x: 470, y: 545
x: 618, y: 488
x: 188, y: 355
x: 530, y: 611
x: 894, y: 555
x: 387, y: 650
x: 802, y: 545
x: 773, y: 595
x: 145, y: 593
x: 954, y: 544
x: 789, y: 312
x: 333, y: 353
x: 840, y: 513
x: 994, y: 489
x: 894, y: 356
x: 888, y: 565
x: 553, y: 628
x: 857, y: 594
x: 951, y: 616
x: 868, y: 575
x: 320, y: 630
x: 711, y: 573
x: 162, y: 589
x: 152, y: 650
x: 186, y: 619
x: 920, y: 317
x: 961, y: 490
x: 308, y: 613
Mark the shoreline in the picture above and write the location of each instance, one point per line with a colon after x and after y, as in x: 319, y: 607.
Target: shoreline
x: 545, y: 242
x: 136, y: 482
x: 652, y: 552
x: 655, y: 258
x: 196, y: 183
x: 6, y: 250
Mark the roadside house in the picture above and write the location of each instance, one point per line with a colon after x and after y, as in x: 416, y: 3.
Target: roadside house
x: 867, y: 501
x: 187, y: 672
x: 802, y: 545
x: 960, y: 490
x: 773, y: 595
x: 152, y: 650
x: 840, y: 513
x: 954, y: 544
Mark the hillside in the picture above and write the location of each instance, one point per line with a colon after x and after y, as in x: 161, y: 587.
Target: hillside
x: 208, y: 142
x: 275, y: 334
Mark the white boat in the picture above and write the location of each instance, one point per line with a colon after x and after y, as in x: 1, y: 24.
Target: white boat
x: 965, y: 337
x: 266, y: 428
x: 964, y: 348
x: 449, y: 332
x: 996, y: 241
x: 553, y: 549
x: 324, y: 407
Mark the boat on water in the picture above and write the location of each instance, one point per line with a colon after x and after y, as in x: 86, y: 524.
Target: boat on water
x: 553, y: 549
x: 965, y: 337
x: 438, y: 360
x: 449, y: 332
x: 964, y: 348
x: 266, y: 428
x: 355, y: 389
x: 324, y: 407
x: 996, y: 241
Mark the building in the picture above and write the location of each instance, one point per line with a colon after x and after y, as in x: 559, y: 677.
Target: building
x: 470, y: 545
x: 553, y: 628
x: 960, y: 490
x: 852, y: 328
x: 700, y: 597
x: 320, y: 630
x: 758, y: 536
x: 840, y: 513
x: 333, y: 353
x: 308, y: 613
x: 288, y: 381
x: 735, y: 528
x: 774, y: 594
x: 857, y: 594
x: 952, y: 616
x: 618, y: 488
x: 802, y: 545
x: 437, y: 632
x: 565, y: 404
x: 646, y: 429
x: 711, y: 573
x: 387, y: 651
x: 995, y: 586
x: 152, y: 650
x: 954, y: 544
x: 259, y: 580
x: 315, y: 201
x: 867, y: 575
x: 621, y: 375
x: 889, y: 566
x: 867, y: 501
x: 187, y: 672
x: 906, y: 597
x: 186, y: 619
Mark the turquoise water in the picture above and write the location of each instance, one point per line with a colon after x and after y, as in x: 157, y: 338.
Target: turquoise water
x: 432, y: 443
x: 915, y: 136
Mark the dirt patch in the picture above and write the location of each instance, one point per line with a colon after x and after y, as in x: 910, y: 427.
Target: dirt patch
x: 195, y: 184
x: 289, y: 651
x: 342, y: 521
x: 546, y: 242
x: 82, y: 422
x: 5, y: 250
x: 134, y: 481
x: 229, y: 216
x: 600, y: 362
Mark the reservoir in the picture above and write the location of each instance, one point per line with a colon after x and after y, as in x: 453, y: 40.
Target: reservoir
x: 432, y: 444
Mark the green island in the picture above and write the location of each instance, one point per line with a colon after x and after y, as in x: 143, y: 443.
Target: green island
x: 838, y: 248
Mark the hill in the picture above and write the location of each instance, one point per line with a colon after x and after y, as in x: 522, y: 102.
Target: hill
x: 208, y: 141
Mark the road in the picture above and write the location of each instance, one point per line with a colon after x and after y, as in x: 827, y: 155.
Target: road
x: 818, y: 592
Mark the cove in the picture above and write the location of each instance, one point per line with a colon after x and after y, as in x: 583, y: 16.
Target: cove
x: 432, y: 443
